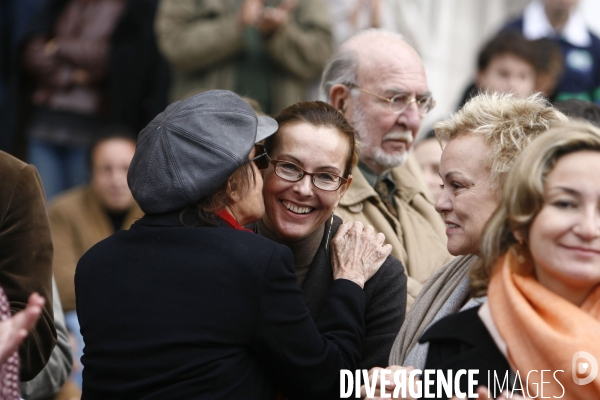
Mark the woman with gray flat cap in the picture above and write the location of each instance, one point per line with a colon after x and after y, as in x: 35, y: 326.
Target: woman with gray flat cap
x: 188, y: 304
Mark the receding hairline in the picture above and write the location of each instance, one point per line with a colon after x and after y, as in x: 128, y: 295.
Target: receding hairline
x: 378, y: 49
x: 373, y: 38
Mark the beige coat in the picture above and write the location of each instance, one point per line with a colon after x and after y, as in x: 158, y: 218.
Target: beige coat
x: 417, y: 235
x: 203, y: 41
x: 77, y: 222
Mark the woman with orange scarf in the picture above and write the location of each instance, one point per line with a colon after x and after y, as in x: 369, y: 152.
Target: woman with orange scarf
x: 540, y: 327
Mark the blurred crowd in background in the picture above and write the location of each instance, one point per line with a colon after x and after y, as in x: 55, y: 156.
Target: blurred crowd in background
x: 80, y: 78
x: 70, y: 70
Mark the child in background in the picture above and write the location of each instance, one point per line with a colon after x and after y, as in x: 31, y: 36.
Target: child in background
x: 507, y: 63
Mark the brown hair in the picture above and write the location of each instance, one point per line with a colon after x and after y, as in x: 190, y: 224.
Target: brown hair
x: 319, y: 114
x: 507, y: 42
x: 549, y: 64
x: 523, y: 194
x: 108, y: 133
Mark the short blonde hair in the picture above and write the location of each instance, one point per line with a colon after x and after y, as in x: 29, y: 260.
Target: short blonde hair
x: 523, y: 193
x: 507, y: 124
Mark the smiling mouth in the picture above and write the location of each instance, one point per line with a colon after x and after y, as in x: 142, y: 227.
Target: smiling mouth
x: 582, y: 249
x: 449, y: 225
x: 296, y: 209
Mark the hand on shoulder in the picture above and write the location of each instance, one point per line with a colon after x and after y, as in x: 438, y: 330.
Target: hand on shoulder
x: 357, y: 252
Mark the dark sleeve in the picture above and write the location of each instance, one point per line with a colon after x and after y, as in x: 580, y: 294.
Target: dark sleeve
x: 386, y: 309
x: 26, y: 264
x: 46, y: 69
x: 91, y: 53
x: 307, y: 363
x: 452, y: 335
x: 447, y: 351
x: 461, y: 341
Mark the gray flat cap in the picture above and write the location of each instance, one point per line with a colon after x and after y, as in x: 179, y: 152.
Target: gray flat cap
x: 192, y: 148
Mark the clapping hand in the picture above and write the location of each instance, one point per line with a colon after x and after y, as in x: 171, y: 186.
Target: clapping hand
x: 266, y: 19
x: 14, y: 329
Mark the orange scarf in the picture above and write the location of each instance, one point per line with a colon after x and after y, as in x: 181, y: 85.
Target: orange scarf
x: 543, y: 331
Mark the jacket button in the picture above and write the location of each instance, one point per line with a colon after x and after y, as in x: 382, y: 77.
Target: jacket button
x: 356, y: 208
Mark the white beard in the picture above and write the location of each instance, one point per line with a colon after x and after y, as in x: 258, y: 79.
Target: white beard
x: 373, y: 152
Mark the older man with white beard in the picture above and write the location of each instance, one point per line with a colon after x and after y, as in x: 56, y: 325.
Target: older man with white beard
x: 378, y: 82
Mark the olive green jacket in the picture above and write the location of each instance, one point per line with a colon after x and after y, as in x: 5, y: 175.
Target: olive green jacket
x: 418, y: 235
x: 204, y: 43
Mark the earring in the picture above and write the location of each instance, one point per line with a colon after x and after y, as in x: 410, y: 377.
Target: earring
x: 520, y: 256
x: 329, y: 231
x: 518, y: 252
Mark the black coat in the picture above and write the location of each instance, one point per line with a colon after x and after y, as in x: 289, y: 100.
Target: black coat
x: 386, y: 300
x: 461, y: 341
x: 174, y: 312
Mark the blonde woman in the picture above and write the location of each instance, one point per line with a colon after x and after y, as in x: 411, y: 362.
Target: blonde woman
x: 483, y: 139
x: 541, y: 270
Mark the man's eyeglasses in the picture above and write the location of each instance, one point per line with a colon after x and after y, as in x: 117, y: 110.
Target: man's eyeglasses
x: 262, y: 159
x: 322, y: 180
x: 400, y: 102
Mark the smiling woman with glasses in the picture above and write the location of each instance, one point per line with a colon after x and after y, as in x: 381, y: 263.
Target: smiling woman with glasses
x: 293, y: 173
x: 199, y: 297
x: 310, y: 159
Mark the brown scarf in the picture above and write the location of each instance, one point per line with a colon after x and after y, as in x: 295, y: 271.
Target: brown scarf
x: 542, y: 330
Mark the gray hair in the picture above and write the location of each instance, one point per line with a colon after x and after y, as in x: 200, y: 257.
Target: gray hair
x: 342, y: 68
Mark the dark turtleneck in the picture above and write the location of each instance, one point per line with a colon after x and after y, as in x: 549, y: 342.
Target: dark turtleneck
x: 304, y: 250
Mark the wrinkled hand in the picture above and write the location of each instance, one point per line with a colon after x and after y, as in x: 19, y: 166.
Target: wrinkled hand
x: 389, y: 388
x: 14, y: 329
x: 357, y: 252
x: 275, y: 17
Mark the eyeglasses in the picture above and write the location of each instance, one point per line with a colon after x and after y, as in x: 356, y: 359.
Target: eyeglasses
x: 322, y: 180
x: 262, y: 160
x: 400, y: 102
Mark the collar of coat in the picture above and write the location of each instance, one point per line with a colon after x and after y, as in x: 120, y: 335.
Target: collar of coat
x: 408, y: 178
